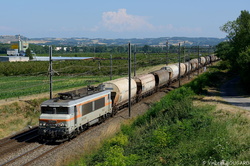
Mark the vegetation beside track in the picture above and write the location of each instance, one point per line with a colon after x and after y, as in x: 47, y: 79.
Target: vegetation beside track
x: 181, y: 129
x: 18, y: 116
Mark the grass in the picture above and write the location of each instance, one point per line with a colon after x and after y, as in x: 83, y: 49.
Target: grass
x: 175, y: 132
x: 18, y: 116
x: 182, y: 129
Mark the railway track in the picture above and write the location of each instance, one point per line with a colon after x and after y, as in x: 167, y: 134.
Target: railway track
x: 28, y: 151
x: 30, y: 156
x: 18, y: 141
x: 12, y: 146
x: 17, y: 136
x: 24, y: 149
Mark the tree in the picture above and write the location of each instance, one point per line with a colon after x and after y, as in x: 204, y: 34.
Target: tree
x: 239, y: 31
x: 4, y: 48
x: 239, y: 37
x: 223, y: 49
x: 244, y: 61
x: 238, y: 34
x: 238, y: 47
x: 145, y: 48
x: 28, y: 54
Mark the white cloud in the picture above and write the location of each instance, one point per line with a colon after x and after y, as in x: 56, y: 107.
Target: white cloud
x: 120, y: 21
x: 121, y: 24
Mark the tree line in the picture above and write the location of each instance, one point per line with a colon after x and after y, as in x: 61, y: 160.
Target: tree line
x: 43, y: 49
x: 38, y: 49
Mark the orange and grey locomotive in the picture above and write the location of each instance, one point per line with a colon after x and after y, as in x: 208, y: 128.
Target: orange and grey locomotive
x: 68, y: 115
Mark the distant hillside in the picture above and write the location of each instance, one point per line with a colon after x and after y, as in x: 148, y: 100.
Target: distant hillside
x: 9, y: 38
x: 202, y: 41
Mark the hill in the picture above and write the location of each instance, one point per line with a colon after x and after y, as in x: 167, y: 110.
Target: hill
x: 202, y: 41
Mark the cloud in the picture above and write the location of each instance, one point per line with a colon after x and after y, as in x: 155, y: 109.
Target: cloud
x: 120, y: 21
x: 121, y: 24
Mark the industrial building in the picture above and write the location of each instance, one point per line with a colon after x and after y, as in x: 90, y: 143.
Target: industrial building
x: 17, y: 52
x: 18, y: 48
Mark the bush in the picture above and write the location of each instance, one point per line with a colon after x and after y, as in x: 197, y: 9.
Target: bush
x: 211, y: 78
x: 244, y: 64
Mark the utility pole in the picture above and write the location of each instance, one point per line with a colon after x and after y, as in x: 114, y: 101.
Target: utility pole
x: 198, y: 59
x: 111, y: 72
x: 184, y: 59
x: 99, y: 65
x: 179, y: 75
x: 50, y: 72
x: 135, y: 61
x: 167, y: 53
x: 129, y: 79
x: 149, y: 57
x: 189, y: 65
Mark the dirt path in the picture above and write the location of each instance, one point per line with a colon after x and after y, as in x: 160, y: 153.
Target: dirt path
x: 231, y: 93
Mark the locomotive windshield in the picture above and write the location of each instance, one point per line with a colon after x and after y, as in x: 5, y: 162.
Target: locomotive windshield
x: 55, y: 110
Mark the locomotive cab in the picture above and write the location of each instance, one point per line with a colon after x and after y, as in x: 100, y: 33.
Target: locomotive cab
x: 54, y: 122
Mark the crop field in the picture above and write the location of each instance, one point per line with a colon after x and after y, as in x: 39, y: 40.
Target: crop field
x: 16, y: 86
x: 27, y: 78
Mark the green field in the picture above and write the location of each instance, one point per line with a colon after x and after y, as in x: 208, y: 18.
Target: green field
x: 28, y: 78
x: 16, y: 86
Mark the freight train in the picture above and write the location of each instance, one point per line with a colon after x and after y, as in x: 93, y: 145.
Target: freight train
x: 66, y: 116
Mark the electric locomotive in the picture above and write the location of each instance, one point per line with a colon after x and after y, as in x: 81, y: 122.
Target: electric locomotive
x: 71, y: 113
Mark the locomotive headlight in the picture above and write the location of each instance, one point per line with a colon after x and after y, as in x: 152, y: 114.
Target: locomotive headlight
x: 60, y: 125
x: 64, y: 125
x: 42, y: 124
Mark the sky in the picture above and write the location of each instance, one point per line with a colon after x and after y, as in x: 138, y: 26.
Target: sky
x: 114, y: 19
